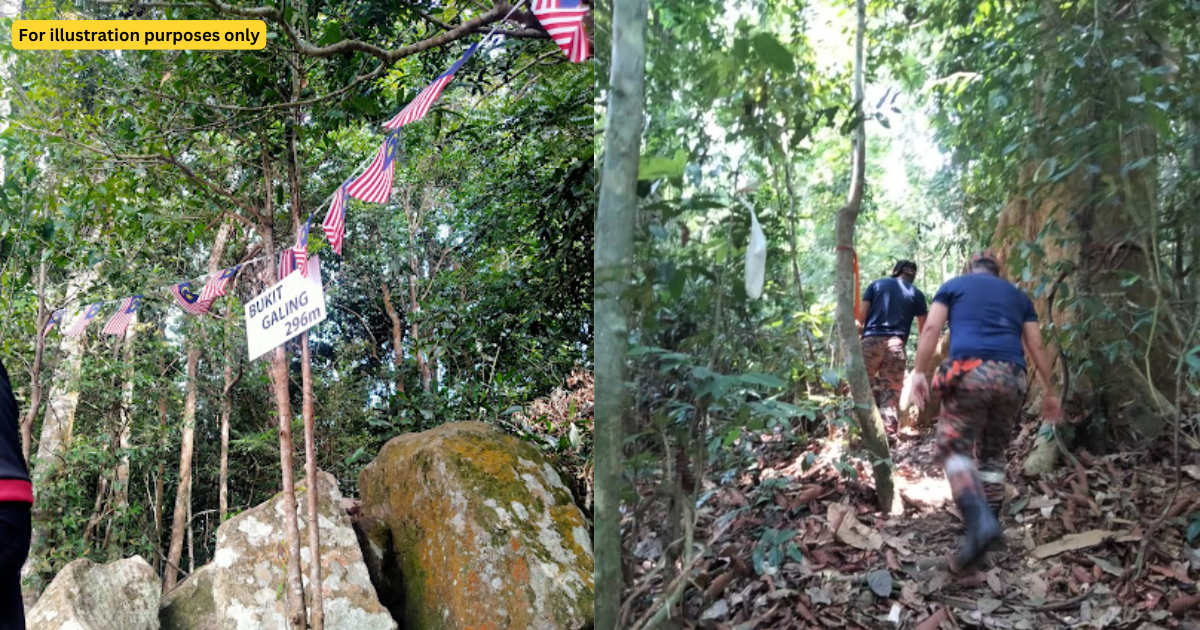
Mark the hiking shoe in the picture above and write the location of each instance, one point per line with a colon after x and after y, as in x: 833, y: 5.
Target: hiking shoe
x: 983, y: 531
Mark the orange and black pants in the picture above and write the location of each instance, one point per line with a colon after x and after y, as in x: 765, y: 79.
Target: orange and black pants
x: 885, y: 360
x: 980, y: 403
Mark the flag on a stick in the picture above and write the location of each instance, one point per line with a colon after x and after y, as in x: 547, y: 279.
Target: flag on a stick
x: 420, y: 105
x: 375, y: 183
x: 188, y: 299
x: 120, y: 321
x: 287, y: 263
x: 216, y: 285
x: 300, y: 251
x: 85, y: 318
x: 563, y: 20
x: 55, y: 319
x: 334, y: 224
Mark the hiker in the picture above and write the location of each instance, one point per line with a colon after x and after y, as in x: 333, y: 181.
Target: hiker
x: 16, y: 499
x: 888, y: 307
x: 982, y: 385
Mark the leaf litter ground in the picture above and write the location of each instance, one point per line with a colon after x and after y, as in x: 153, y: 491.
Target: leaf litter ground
x: 794, y: 546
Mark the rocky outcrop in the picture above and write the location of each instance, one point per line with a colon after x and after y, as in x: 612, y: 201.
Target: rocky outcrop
x: 465, y: 527
x: 122, y: 595
x: 243, y: 587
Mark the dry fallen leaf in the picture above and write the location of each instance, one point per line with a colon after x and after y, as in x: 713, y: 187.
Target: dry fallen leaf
x: 934, y: 620
x: 1106, y: 566
x: 851, y: 531
x: 1072, y: 542
x: 993, y: 580
x: 1192, y: 471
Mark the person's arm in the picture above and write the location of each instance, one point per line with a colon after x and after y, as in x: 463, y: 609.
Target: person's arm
x: 861, y: 323
x: 931, y: 329
x: 921, y: 324
x: 1031, y: 338
x: 926, y: 342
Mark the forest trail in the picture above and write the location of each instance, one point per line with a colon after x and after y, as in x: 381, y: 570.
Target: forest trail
x: 1073, y: 542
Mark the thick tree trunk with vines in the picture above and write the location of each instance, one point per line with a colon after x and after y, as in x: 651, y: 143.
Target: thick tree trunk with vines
x: 1100, y: 229
x: 867, y: 415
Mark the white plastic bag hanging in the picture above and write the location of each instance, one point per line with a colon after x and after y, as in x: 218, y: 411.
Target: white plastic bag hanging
x: 756, y: 256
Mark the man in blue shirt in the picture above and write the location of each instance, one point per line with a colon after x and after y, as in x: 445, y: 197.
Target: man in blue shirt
x: 982, y: 384
x: 888, y: 307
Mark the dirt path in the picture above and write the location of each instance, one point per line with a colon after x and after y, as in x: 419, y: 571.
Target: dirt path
x: 799, y: 545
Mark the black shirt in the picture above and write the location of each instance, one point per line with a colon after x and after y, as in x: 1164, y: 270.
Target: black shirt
x: 894, y: 304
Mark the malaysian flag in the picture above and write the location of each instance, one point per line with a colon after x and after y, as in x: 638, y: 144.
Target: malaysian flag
x: 189, y: 300
x: 375, y: 183
x: 420, y: 105
x: 563, y: 20
x: 335, y: 221
x: 55, y: 319
x: 300, y: 251
x: 287, y: 263
x: 85, y: 318
x: 120, y: 321
x: 217, y: 284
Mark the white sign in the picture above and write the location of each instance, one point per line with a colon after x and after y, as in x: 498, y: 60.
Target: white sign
x: 285, y: 310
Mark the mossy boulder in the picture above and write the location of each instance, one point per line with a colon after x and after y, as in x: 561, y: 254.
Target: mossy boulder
x: 243, y: 587
x: 121, y: 595
x: 468, y: 528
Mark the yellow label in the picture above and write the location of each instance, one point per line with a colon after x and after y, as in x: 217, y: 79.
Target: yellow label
x: 139, y: 34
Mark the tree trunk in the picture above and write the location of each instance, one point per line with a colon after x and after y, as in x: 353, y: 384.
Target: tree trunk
x: 317, y: 609
x: 613, y: 255
x: 869, y: 420
x: 317, y: 618
x: 158, y: 482
x: 1098, y: 228
x: 35, y: 373
x: 226, y: 410
x: 57, y: 425
x: 397, y: 337
x: 297, y: 617
x: 121, y: 484
x: 415, y: 307
x: 183, y: 497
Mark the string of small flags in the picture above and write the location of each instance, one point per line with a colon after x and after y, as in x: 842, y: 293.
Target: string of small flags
x: 563, y: 21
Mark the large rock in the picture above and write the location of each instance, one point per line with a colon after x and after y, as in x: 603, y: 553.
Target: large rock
x: 122, y: 595
x: 243, y: 587
x: 466, y: 527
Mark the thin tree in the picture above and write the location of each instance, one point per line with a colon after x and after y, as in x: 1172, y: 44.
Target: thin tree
x: 397, y: 336
x: 613, y: 257
x: 297, y: 617
x: 867, y: 414
x: 183, y: 496
x: 316, y: 618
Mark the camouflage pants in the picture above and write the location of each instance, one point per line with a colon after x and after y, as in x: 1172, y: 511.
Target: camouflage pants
x: 980, y: 403
x: 885, y: 360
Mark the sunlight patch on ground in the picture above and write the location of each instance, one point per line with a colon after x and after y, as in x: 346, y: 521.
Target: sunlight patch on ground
x: 915, y: 487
